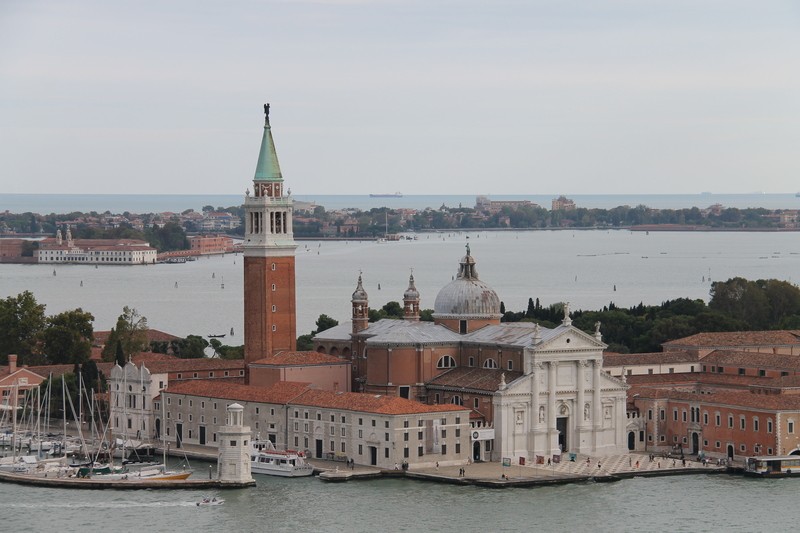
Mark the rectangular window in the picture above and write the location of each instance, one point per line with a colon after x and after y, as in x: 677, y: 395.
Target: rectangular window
x: 730, y: 421
x: 296, y: 424
x: 458, y: 448
x: 762, y: 373
x: 444, y: 449
x: 344, y: 432
x: 386, y: 437
x: 386, y: 452
x: 419, y: 451
x: 360, y: 449
x: 360, y: 421
x: 755, y: 424
x: 674, y: 415
x: 333, y: 446
x: 769, y: 426
x: 419, y: 435
x: 296, y: 442
x: 343, y: 420
x: 684, y: 416
x: 343, y: 447
x: 444, y: 433
x: 258, y: 410
x: 405, y: 437
x: 373, y: 422
x: 405, y: 423
x: 790, y: 428
x: 333, y: 418
x: 741, y: 371
x: 742, y: 423
x: 458, y: 432
x: 386, y: 424
x: 663, y: 414
x: 705, y: 419
x: 405, y: 453
x: 717, y: 420
x: 671, y: 370
x: 360, y: 434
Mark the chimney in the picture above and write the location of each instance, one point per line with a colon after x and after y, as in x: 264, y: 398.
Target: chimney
x: 12, y: 363
x: 335, y: 386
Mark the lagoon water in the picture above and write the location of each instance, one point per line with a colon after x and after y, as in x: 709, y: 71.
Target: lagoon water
x: 684, y: 503
x: 583, y: 267
x: 589, y: 269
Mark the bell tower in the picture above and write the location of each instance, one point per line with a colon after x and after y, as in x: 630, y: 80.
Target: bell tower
x: 269, y: 270
x: 360, y: 303
x: 411, y: 301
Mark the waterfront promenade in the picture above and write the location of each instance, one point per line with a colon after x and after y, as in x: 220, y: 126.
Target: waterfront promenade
x: 494, y: 474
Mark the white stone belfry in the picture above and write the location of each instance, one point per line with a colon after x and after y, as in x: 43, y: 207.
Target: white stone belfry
x: 233, y: 463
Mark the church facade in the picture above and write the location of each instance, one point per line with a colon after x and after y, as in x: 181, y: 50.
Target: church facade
x: 532, y: 391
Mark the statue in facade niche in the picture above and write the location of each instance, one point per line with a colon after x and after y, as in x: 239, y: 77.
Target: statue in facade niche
x: 586, y: 411
x: 541, y: 413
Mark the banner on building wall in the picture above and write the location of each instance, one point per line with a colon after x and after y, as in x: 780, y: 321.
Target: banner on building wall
x: 436, y: 448
x: 483, y: 434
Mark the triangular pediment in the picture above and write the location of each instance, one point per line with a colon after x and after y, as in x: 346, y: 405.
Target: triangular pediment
x: 568, y: 338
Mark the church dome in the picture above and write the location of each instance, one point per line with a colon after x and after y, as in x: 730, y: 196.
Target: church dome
x: 360, y: 295
x: 467, y: 296
x: 411, y: 292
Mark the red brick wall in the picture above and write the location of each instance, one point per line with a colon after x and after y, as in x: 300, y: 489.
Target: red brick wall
x: 259, y: 339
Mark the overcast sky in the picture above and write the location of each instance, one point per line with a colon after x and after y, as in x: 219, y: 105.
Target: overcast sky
x: 426, y: 97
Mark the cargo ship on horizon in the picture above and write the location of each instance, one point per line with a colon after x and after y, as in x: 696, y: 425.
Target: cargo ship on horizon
x: 398, y: 194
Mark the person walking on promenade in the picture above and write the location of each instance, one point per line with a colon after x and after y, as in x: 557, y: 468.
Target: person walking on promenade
x: 437, y: 466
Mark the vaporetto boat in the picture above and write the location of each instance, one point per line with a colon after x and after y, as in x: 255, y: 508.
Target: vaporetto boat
x: 266, y: 459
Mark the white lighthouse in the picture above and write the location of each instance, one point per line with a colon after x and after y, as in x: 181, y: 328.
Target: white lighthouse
x: 233, y: 463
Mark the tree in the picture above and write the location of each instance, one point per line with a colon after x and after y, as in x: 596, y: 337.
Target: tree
x: 68, y: 337
x: 131, y: 330
x: 783, y: 299
x: 325, y: 322
x: 741, y: 299
x: 193, y: 347
x: 21, y: 321
x: 119, y: 355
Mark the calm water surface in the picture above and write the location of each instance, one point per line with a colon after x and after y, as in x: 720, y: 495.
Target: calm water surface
x: 587, y: 268
x: 682, y: 503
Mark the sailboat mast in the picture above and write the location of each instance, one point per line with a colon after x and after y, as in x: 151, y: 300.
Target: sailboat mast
x: 64, y: 411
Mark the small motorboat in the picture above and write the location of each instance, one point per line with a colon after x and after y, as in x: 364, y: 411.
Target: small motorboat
x: 211, y: 501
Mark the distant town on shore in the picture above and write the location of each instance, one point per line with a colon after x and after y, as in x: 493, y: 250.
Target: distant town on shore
x: 133, y: 238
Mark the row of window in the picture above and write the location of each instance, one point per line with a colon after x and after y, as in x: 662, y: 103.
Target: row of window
x: 695, y: 412
x: 447, y: 361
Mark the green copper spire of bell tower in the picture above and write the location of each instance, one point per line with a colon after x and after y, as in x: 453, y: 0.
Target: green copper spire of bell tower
x: 267, y: 168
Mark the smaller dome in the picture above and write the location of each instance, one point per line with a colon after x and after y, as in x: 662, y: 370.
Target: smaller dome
x: 360, y: 295
x: 411, y: 292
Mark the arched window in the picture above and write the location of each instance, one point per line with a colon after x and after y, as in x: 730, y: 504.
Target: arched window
x: 490, y: 363
x: 456, y: 400
x: 446, y: 361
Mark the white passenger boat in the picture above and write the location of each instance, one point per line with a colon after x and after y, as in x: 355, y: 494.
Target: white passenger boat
x: 265, y: 459
x: 772, y: 466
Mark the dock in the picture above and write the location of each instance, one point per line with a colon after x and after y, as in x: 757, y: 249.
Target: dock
x: 89, y: 483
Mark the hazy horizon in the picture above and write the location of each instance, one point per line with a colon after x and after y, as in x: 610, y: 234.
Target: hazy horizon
x: 373, y: 96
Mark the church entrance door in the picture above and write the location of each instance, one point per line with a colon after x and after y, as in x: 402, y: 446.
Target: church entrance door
x: 561, y: 427
x: 373, y: 455
x: 476, y: 450
x: 319, y: 449
x: 631, y: 440
x: 695, y: 443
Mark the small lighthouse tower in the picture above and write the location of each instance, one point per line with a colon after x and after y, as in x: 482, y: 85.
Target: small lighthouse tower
x: 233, y: 462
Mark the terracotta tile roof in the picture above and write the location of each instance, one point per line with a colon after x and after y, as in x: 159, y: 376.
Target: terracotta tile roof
x: 237, y: 380
x: 147, y: 357
x: 696, y: 378
x: 655, y: 358
x: 370, y: 403
x: 465, y: 377
x: 193, y: 365
x: 152, y: 335
x: 764, y: 360
x: 300, y: 358
x: 739, y: 338
x: 769, y: 402
x: 782, y: 382
x: 58, y: 370
x: 280, y: 393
